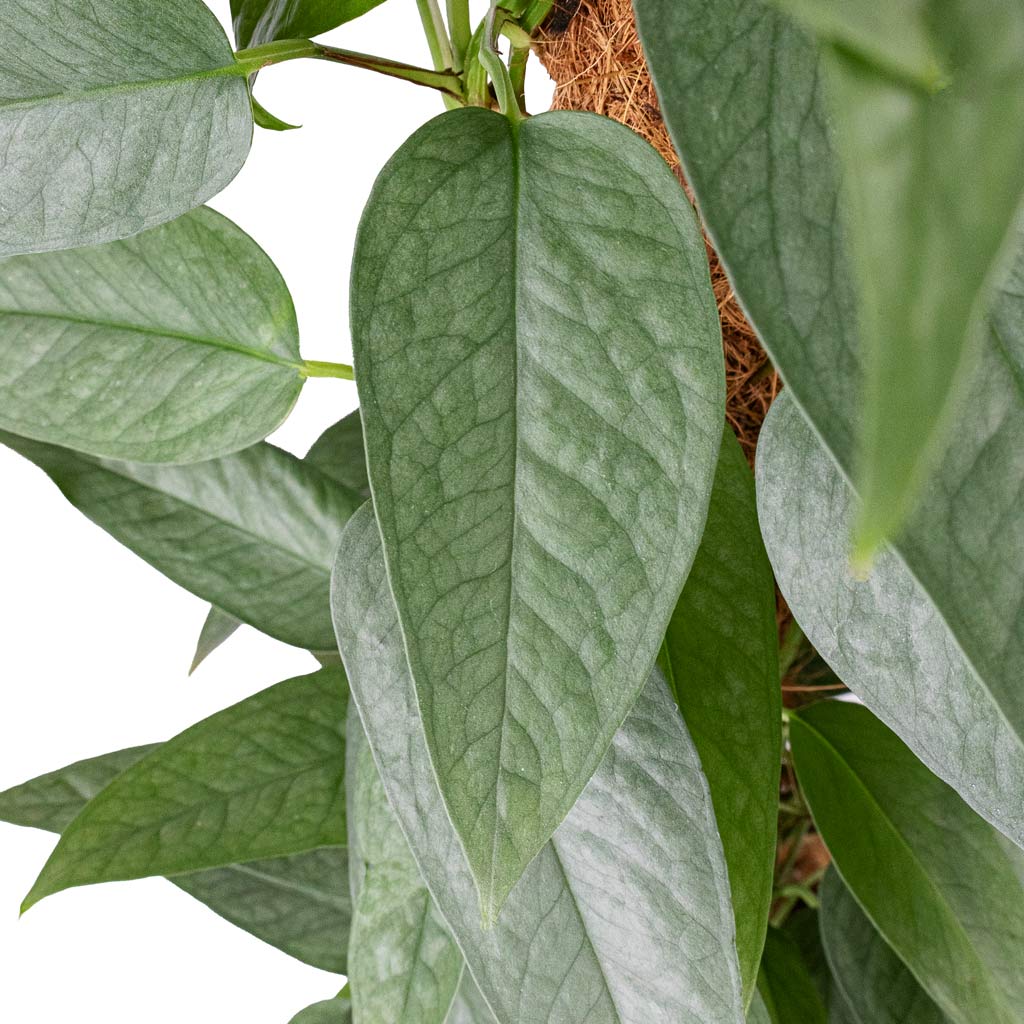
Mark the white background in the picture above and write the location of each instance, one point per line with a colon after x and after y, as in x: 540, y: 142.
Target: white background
x: 96, y: 644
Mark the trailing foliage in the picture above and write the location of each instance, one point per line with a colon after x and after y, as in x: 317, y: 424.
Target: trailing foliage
x: 566, y: 790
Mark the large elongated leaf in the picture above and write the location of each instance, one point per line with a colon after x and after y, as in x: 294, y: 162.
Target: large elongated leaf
x: 260, y: 779
x: 872, y: 980
x: 299, y: 903
x: 262, y: 21
x: 742, y: 92
x: 253, y: 532
x: 115, y: 116
x: 178, y: 345
x: 939, y: 883
x: 405, y: 966
x: 721, y: 660
x: 624, y: 915
x: 541, y: 386
x: 883, y: 636
x: 785, y: 984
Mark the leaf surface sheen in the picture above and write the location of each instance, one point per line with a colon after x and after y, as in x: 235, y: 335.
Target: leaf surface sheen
x: 253, y: 532
x: 262, y: 21
x: 624, y: 916
x: 720, y: 657
x: 743, y: 94
x: 261, y: 779
x: 939, y: 883
x: 177, y: 345
x: 115, y: 116
x: 541, y: 387
x: 882, y: 636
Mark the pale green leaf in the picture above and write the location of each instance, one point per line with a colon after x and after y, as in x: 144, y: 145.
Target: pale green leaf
x: 218, y: 627
x: 177, y: 345
x: 758, y: 1012
x: 539, y: 364
x: 260, y: 779
x: 469, y: 1007
x: 624, y: 915
x: 882, y: 636
x: 339, y: 453
x: 785, y: 984
x: 115, y: 116
x: 742, y: 93
x: 868, y: 975
x: 299, y: 904
x: 721, y: 660
x: 253, y: 532
x: 329, y: 1011
x: 937, y: 881
x: 262, y: 21
x: 405, y: 966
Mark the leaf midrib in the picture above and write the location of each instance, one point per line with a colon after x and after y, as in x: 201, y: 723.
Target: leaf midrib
x: 159, y: 332
x: 318, y: 895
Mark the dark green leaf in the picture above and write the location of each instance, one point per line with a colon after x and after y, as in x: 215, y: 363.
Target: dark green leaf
x: 177, y: 345
x: 330, y: 1011
x: 218, y: 626
x: 742, y: 93
x: 624, y: 915
x: 339, y: 453
x: 405, y: 966
x: 721, y: 660
x: 938, y: 882
x: 541, y: 389
x: 115, y: 116
x: 785, y: 984
x: 253, y: 532
x: 262, y: 21
x: 299, y: 904
x: 869, y: 976
x: 261, y: 779
x: 882, y: 636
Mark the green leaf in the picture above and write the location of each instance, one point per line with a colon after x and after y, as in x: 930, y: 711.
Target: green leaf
x: 869, y: 976
x: 882, y: 636
x: 758, y: 1012
x: 742, y: 92
x: 218, y: 626
x: 721, y: 660
x: 262, y: 21
x: 938, y: 882
x: 786, y: 985
x: 260, y: 779
x: 339, y: 453
x: 177, y: 345
x: 469, y: 1007
x: 330, y: 1011
x: 541, y: 389
x: 253, y: 532
x: 624, y: 915
x: 271, y: 122
x: 405, y: 967
x: 300, y: 904
x: 115, y: 116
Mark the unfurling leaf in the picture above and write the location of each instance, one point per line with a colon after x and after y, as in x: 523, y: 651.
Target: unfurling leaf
x: 115, y: 116
x: 945, y: 890
x: 624, y: 915
x: 177, y: 345
x: 540, y: 374
x: 261, y: 779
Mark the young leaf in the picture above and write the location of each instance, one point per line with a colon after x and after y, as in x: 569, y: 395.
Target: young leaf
x: 178, y: 345
x: 253, y: 532
x: 115, y: 116
x: 261, y: 779
x: 300, y: 904
x: 720, y: 657
x: 785, y: 984
x: 541, y: 389
x: 262, y: 21
x: 883, y: 636
x: 871, y: 979
x: 943, y: 888
x: 339, y: 453
x: 218, y: 626
x: 329, y: 1011
x: 405, y: 966
x: 624, y: 915
x: 742, y: 93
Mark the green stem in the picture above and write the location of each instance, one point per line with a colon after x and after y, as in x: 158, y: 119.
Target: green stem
x: 478, y: 93
x: 517, y: 72
x: 790, y: 648
x: 536, y: 14
x: 796, y: 838
x: 461, y: 32
x: 436, y: 33
x: 315, y: 368
x: 495, y: 66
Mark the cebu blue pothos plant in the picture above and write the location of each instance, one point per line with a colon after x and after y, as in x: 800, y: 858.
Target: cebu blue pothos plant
x: 541, y: 785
